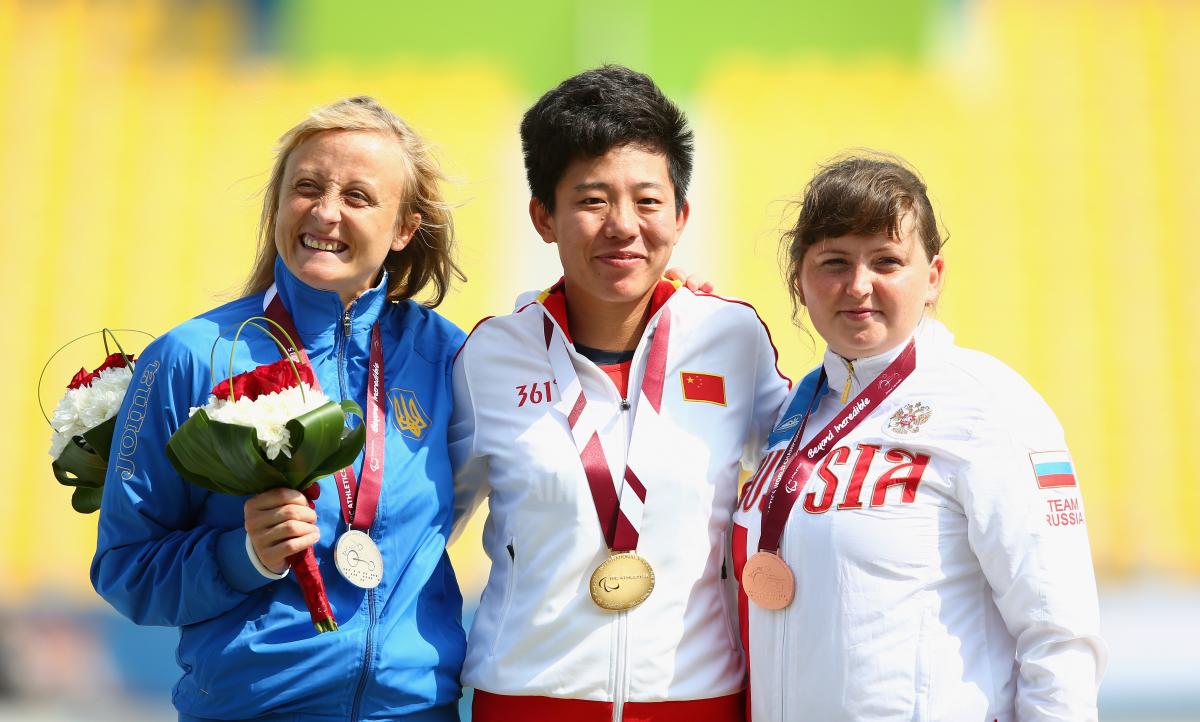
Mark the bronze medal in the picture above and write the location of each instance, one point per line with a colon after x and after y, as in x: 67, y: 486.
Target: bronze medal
x: 768, y: 581
x: 622, y: 581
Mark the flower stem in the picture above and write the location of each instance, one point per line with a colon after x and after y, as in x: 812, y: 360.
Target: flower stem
x: 308, y: 576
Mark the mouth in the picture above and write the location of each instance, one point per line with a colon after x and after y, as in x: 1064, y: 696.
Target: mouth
x: 859, y: 314
x: 621, y: 259
x: 315, y: 243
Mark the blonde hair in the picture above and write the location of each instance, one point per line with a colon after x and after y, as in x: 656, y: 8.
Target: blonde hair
x: 428, y: 257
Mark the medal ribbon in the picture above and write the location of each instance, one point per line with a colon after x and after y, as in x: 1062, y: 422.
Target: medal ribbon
x: 798, y: 464
x: 619, y: 502
x: 359, y: 499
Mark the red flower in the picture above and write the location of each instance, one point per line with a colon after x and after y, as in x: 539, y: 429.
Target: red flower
x: 114, y: 361
x: 266, y: 379
x: 82, y: 377
x: 85, y: 378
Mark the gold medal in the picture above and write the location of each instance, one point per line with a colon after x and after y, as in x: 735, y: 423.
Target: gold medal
x: 622, y: 581
x: 768, y: 581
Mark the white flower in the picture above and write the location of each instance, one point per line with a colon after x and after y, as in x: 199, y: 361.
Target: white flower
x: 86, y: 407
x: 267, y: 414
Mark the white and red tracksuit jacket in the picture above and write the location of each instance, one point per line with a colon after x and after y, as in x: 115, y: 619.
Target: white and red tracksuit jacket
x: 941, y: 559
x: 539, y: 647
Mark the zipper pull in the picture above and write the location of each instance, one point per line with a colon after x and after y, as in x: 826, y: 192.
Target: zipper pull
x: 346, y: 322
x: 624, y: 404
x: 849, y: 378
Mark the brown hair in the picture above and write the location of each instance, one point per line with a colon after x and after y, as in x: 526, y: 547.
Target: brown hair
x: 864, y: 194
x: 428, y: 257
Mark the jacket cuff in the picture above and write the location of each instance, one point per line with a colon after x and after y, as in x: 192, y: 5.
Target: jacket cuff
x: 236, y: 565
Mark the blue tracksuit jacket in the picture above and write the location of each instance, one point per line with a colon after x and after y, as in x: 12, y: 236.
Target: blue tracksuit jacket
x: 170, y: 553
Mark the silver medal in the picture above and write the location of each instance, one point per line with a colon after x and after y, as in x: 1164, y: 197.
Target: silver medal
x: 358, y: 559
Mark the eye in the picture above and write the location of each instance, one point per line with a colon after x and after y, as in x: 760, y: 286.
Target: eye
x: 357, y: 199
x: 649, y: 201
x: 834, y: 263
x: 889, y: 263
x: 592, y: 201
x: 307, y: 188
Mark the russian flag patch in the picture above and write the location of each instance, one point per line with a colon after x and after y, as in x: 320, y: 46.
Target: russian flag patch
x: 1052, y: 469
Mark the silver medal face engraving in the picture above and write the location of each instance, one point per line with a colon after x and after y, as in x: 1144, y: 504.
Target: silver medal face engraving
x: 358, y: 559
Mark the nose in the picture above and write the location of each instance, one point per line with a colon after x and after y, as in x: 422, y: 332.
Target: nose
x: 861, y: 281
x: 327, y: 209
x: 621, y: 221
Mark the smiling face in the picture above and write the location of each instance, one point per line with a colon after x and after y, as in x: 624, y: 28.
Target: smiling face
x: 339, y: 210
x: 865, y: 294
x: 615, y: 223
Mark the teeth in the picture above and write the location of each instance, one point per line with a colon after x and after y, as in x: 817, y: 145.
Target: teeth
x: 310, y: 242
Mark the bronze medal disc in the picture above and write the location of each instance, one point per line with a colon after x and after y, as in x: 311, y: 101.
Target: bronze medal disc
x: 768, y: 581
x: 622, y: 581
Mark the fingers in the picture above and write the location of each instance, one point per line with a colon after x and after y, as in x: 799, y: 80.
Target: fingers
x: 279, y: 523
x: 694, y: 282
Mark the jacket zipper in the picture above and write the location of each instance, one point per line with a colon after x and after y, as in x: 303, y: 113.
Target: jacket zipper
x: 622, y: 616
x: 371, y: 621
x: 622, y: 653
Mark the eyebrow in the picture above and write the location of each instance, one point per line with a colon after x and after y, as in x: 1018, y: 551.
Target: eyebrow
x: 602, y: 186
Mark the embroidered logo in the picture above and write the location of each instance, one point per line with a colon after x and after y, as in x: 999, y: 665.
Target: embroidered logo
x: 908, y: 418
x: 1052, y: 469
x: 407, y: 414
x: 709, y: 388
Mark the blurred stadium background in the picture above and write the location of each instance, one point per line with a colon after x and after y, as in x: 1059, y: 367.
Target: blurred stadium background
x: 1058, y: 139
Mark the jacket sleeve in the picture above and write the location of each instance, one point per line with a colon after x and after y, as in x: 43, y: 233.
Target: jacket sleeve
x: 154, y: 562
x: 1031, y: 542
x: 770, y: 392
x: 470, y: 468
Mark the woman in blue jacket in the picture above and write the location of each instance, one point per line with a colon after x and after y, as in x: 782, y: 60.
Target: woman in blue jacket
x: 353, y: 226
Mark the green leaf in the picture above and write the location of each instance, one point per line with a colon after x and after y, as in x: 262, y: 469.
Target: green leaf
x: 192, y: 451
x: 227, y: 458
x: 79, y: 465
x: 86, y: 500
x: 100, y: 438
x: 238, y: 449
x: 314, y: 436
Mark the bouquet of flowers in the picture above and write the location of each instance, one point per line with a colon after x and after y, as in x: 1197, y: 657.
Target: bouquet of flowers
x: 83, y: 424
x: 266, y: 428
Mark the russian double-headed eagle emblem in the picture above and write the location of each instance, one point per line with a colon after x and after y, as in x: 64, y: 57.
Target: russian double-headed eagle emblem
x: 908, y: 418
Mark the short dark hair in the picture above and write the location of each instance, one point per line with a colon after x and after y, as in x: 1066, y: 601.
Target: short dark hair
x: 595, y: 111
x: 867, y: 193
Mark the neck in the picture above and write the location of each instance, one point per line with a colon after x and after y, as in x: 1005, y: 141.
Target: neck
x: 606, y: 325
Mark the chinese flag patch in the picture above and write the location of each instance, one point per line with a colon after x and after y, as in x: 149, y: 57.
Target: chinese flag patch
x: 703, y: 387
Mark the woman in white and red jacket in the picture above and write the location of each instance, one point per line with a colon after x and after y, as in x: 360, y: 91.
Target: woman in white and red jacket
x: 606, y: 421
x: 914, y: 547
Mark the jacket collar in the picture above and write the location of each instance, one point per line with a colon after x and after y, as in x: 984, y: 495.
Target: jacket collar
x: 554, y: 300
x: 930, y: 334
x: 318, y: 312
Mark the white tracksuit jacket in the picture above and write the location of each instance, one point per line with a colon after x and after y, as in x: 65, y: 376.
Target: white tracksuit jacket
x: 974, y: 601
x: 537, y: 631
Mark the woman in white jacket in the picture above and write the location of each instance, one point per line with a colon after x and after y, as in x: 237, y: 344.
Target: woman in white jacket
x: 913, y: 545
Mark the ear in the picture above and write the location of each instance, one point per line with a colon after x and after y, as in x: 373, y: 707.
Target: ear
x: 543, y: 220
x: 681, y: 218
x: 405, y: 232
x: 936, y: 268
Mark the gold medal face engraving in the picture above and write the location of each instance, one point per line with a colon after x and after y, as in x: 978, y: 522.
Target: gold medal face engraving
x: 622, y: 581
x: 768, y: 581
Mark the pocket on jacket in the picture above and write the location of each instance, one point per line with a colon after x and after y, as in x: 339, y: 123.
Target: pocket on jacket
x: 510, y: 584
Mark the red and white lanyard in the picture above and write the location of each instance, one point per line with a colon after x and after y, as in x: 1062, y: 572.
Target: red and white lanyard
x: 798, y: 464
x: 359, y: 498
x: 619, y: 502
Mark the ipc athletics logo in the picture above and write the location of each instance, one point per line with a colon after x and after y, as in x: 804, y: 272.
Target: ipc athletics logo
x: 407, y: 414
